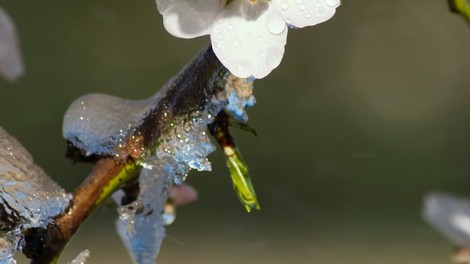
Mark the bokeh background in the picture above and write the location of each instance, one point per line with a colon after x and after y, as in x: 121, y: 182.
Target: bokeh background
x: 366, y: 114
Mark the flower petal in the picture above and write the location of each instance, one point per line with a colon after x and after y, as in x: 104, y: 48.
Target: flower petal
x: 189, y: 18
x: 249, y: 38
x: 11, y: 62
x: 302, y: 13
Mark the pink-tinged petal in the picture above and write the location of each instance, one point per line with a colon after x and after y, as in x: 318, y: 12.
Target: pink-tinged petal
x: 182, y: 194
x: 249, y: 38
x: 11, y: 61
x: 189, y: 18
x: 302, y: 13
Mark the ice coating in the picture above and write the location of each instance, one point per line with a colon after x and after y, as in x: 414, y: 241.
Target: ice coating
x: 450, y: 215
x: 28, y: 197
x: 26, y: 192
x: 140, y: 224
x: 6, y: 251
x: 11, y: 62
x: 97, y: 123
x: 239, y: 96
x: 183, y: 147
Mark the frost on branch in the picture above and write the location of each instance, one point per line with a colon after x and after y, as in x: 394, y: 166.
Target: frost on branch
x: 28, y: 197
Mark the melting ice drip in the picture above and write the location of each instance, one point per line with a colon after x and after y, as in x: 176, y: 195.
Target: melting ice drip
x: 181, y: 149
x: 28, y: 197
x: 98, y: 123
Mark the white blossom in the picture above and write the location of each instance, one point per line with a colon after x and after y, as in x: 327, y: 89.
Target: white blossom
x: 248, y: 36
x: 11, y: 62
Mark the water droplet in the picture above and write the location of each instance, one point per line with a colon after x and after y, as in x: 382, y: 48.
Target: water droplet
x: 303, y: 7
x: 275, y: 24
x: 169, y: 214
x: 284, y: 5
x: 237, y: 67
x: 332, y: 3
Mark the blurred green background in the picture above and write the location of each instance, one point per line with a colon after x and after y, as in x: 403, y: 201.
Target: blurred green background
x: 366, y: 114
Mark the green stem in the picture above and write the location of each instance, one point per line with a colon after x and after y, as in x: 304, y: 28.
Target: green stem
x: 461, y: 7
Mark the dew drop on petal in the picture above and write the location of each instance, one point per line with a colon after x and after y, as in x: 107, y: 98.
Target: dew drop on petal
x: 275, y: 24
x: 284, y: 5
x: 333, y: 3
x: 255, y: 33
x: 305, y: 13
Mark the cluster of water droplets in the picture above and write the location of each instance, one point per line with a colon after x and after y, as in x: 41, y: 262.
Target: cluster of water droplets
x: 28, y: 196
x: 305, y: 10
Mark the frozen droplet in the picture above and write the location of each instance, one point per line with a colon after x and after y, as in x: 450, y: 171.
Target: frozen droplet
x: 275, y: 24
x: 169, y: 214
x: 284, y: 5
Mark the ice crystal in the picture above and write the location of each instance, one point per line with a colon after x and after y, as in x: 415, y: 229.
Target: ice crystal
x: 6, y: 251
x: 239, y: 94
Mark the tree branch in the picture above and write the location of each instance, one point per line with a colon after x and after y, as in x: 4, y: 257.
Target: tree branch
x: 191, y: 89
